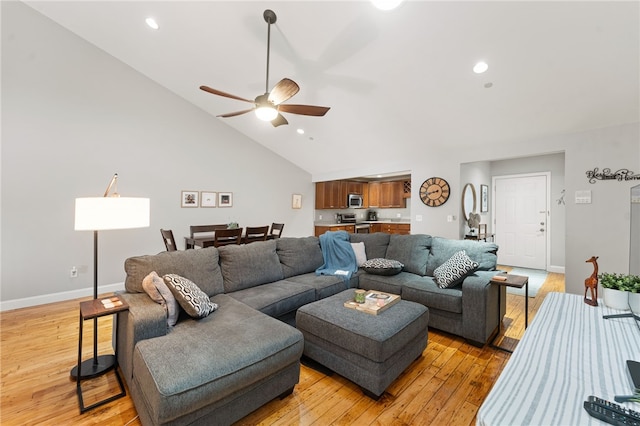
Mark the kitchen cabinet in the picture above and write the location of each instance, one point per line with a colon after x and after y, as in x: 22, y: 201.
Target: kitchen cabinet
x: 331, y: 195
x: 319, y: 230
x: 386, y: 194
x: 391, y: 228
x: 353, y: 187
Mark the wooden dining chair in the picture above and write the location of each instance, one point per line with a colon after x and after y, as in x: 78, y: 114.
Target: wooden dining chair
x: 256, y: 233
x: 167, y: 238
x: 224, y: 237
x: 276, y: 230
x: 201, y: 231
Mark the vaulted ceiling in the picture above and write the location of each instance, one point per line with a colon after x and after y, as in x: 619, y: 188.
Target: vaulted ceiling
x: 399, y: 80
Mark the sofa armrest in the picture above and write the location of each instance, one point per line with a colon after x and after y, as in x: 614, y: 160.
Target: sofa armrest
x: 479, y: 307
x: 144, y: 319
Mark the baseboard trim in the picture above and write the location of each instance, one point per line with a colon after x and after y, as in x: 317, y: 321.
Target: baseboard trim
x: 556, y: 269
x: 57, y: 297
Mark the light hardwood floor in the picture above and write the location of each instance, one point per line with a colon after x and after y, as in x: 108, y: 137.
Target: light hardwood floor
x: 446, y: 386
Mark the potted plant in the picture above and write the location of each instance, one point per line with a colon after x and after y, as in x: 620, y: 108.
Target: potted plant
x: 634, y: 295
x: 616, y: 289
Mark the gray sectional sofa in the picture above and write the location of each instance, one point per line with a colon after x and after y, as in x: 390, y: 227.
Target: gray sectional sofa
x: 218, y: 369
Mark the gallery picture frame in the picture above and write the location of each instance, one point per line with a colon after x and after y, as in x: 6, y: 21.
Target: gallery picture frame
x: 225, y: 199
x: 484, y: 198
x: 208, y: 199
x: 296, y: 201
x: 189, y: 199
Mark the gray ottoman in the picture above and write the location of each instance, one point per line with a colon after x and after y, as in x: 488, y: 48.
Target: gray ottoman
x: 370, y: 350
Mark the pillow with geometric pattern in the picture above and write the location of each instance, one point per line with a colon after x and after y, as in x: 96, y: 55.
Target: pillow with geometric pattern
x: 453, y: 271
x: 380, y: 266
x: 194, y: 301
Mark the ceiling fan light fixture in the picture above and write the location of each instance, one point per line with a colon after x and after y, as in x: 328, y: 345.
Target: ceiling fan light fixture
x: 266, y: 112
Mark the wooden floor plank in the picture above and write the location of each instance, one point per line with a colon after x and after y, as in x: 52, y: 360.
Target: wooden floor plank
x: 446, y: 385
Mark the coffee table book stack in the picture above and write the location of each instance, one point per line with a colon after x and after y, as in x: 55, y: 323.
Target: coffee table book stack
x: 375, y: 302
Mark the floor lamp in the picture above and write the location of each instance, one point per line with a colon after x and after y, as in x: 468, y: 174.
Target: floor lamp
x: 101, y: 214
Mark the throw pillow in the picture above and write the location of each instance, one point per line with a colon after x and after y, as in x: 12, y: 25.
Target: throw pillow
x: 158, y: 291
x: 194, y: 301
x: 382, y: 266
x: 361, y: 255
x: 453, y: 271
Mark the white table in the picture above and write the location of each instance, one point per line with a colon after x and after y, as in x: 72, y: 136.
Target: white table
x: 568, y: 353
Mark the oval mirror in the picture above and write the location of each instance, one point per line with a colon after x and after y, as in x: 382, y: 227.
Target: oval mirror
x: 468, y: 200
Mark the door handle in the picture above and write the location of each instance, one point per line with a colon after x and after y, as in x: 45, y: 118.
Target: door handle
x: 541, y: 223
x: 541, y: 229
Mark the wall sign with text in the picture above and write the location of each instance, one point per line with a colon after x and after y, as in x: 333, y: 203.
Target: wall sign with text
x: 621, y: 175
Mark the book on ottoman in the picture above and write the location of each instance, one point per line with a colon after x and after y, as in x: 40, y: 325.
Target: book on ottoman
x: 375, y: 302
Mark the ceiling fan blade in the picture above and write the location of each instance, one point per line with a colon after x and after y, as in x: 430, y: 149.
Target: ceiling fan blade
x: 221, y: 93
x: 284, y: 90
x: 233, y: 114
x: 316, y: 111
x: 279, y: 121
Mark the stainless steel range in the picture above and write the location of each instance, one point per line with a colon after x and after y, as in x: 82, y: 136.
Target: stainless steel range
x: 361, y: 227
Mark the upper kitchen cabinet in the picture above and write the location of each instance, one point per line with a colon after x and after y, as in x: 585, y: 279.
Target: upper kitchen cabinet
x: 386, y: 194
x: 354, y: 187
x: 331, y: 195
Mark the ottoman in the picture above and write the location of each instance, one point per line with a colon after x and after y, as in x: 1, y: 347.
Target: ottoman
x: 370, y: 350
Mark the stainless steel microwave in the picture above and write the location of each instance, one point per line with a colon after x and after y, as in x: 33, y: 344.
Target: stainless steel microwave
x: 355, y: 201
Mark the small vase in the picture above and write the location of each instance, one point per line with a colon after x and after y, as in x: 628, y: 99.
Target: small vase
x: 634, y: 302
x: 616, y: 299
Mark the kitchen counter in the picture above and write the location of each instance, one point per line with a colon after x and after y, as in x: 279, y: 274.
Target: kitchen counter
x: 371, y: 222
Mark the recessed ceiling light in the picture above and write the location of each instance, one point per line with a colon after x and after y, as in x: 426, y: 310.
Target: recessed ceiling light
x: 480, y: 67
x: 386, y: 4
x: 300, y: 131
x: 152, y: 23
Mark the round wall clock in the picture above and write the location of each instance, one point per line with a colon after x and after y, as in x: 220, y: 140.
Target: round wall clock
x: 434, y: 192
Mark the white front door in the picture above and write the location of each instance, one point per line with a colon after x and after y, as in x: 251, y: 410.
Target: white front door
x: 521, y: 220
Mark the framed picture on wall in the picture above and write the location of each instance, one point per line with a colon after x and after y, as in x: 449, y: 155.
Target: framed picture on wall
x: 484, y: 198
x: 189, y: 199
x: 296, y: 201
x: 225, y: 199
x: 208, y: 199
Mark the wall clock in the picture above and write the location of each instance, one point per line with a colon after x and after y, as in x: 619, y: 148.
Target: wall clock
x: 434, y: 192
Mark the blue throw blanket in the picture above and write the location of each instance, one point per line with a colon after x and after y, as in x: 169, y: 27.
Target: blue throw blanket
x: 339, y: 258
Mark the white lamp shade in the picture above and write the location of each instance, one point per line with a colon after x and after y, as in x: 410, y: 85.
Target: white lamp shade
x: 101, y: 213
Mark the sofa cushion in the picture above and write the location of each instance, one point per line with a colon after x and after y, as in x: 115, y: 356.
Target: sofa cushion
x: 411, y: 250
x: 382, y: 266
x: 482, y: 253
x: 387, y: 283
x: 424, y: 290
x: 375, y: 244
x: 276, y: 299
x: 299, y: 255
x: 324, y: 285
x: 249, y: 265
x: 194, y: 301
x: 158, y: 291
x: 453, y: 271
x: 200, y: 266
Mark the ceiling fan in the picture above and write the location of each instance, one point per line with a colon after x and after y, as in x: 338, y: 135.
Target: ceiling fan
x: 269, y: 106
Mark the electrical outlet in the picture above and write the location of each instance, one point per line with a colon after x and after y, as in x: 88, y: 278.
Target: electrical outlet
x: 320, y: 217
x: 450, y: 218
x: 418, y: 218
x: 399, y: 215
x: 74, y: 272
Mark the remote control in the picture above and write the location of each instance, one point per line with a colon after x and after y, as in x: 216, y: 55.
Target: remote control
x: 611, y: 412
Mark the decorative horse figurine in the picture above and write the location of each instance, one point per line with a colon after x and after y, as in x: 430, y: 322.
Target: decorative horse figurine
x: 592, y: 283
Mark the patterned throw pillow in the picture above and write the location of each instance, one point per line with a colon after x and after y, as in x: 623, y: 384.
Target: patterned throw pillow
x: 158, y: 291
x: 382, y: 266
x: 194, y: 301
x: 453, y: 271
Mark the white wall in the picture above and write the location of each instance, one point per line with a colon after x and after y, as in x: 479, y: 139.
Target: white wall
x: 71, y: 117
